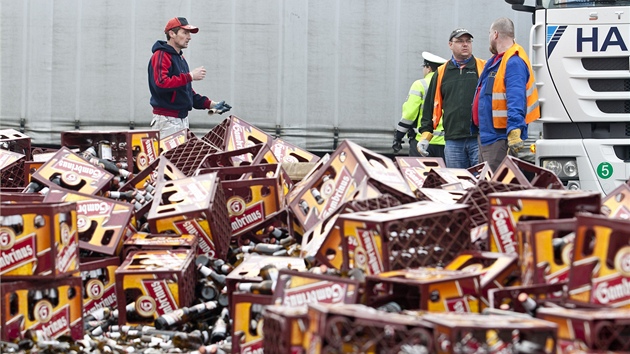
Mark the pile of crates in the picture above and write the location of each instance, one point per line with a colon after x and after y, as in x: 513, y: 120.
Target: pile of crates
x: 360, y: 254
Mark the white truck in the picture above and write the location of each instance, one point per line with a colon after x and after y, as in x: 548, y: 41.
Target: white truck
x: 579, y: 53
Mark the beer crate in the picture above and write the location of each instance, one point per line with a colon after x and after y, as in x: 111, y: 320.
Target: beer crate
x: 251, y: 155
x: 188, y: 156
x: 541, y: 294
x: 159, y: 170
x: 325, y: 237
x: 481, y: 171
x: 411, y: 235
x: 74, y: 173
x: 38, y: 240
x: 254, y: 194
x: 336, y: 181
x: 296, y: 288
x: 477, y: 200
x: 11, y: 169
x: 174, y: 140
x: 52, y: 306
x: 545, y: 249
x: 136, y: 148
x: 233, y: 133
x: 600, y: 273
x: 497, y: 270
x: 593, y: 329
x: 616, y: 204
x: 289, y: 153
x: 156, y: 282
x: 515, y: 171
x: 361, y: 329
x: 249, y: 270
x: 445, y: 196
x: 415, y: 169
x: 449, y: 179
x: 428, y: 289
x: 476, y: 333
x: 15, y: 141
x: 102, y: 223
x: 247, y: 322
x: 142, y: 241
x: 284, y: 328
x: 193, y: 205
x: 19, y: 197
x: 99, y: 283
x: 508, y: 208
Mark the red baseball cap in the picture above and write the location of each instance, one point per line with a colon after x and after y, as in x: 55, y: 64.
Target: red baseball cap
x: 181, y: 22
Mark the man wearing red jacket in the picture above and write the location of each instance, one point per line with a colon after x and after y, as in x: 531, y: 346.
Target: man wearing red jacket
x: 170, y: 81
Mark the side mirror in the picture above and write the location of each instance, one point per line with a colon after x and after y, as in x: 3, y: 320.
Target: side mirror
x: 515, y: 2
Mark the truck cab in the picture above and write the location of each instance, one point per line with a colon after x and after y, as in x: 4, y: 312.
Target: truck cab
x: 579, y: 51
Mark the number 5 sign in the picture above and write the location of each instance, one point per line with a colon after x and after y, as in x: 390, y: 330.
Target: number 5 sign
x: 604, y: 170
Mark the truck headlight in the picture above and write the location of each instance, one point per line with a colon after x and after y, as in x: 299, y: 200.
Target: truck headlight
x: 564, y: 168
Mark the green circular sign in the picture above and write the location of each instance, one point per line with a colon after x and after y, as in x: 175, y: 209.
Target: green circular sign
x: 604, y: 170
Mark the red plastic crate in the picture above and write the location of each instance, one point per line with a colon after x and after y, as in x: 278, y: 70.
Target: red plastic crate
x: 39, y: 240
x: 188, y: 156
x: 362, y: 329
x: 137, y: 148
x: 194, y: 205
x: 13, y: 140
x: 52, y: 306
x: 157, y: 282
x: 408, y: 236
x: 11, y: 169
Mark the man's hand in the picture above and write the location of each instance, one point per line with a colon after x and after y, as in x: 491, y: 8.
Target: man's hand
x: 218, y: 107
x: 198, y: 74
x: 515, y: 143
x: 423, y: 144
x: 517, y: 148
x: 397, y: 145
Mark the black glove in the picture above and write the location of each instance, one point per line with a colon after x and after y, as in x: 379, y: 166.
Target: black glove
x: 397, y: 145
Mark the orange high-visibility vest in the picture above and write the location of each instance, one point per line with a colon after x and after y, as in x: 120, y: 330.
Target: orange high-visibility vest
x: 499, y: 101
x: 437, y: 101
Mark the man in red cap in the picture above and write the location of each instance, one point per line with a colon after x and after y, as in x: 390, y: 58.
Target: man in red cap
x: 170, y: 81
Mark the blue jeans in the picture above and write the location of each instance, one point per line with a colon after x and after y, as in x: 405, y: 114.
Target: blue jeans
x: 461, y: 153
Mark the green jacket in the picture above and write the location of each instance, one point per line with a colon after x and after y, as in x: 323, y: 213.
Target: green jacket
x: 458, y: 91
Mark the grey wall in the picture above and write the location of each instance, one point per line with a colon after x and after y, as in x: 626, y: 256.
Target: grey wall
x: 304, y: 67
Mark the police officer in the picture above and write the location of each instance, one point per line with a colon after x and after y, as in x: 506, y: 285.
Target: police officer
x: 412, y: 112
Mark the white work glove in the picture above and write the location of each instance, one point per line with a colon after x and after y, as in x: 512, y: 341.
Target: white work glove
x: 423, y: 144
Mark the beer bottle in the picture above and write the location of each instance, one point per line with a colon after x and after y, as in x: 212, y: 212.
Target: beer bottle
x: 110, y: 167
x: 304, y: 207
x: 33, y: 187
x: 318, y: 197
x: 528, y: 303
x: 217, y: 278
x: 14, y: 222
x: 262, y: 248
x: 34, y: 297
x: 207, y: 290
x: 192, y: 340
x: 219, y: 329
x: 264, y: 287
x: 184, y: 314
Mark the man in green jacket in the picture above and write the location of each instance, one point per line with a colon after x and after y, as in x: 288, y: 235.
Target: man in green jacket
x: 449, y: 100
x: 412, y: 112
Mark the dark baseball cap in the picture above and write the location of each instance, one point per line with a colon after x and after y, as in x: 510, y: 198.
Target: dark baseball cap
x: 458, y: 33
x: 180, y: 22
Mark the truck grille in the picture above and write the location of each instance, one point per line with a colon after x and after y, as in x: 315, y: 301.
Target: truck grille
x: 609, y: 85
